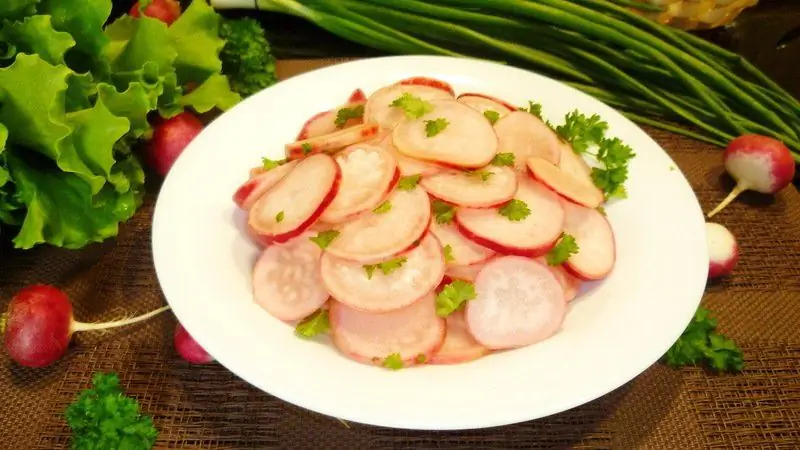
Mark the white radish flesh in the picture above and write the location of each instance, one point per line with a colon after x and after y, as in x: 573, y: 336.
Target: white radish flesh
x: 378, y: 109
x: 349, y: 282
x: 482, y: 104
x: 331, y: 142
x: 568, y: 186
x: 519, y: 302
x: 525, y: 135
x: 373, y: 237
x: 472, y: 191
x: 459, y: 345
x: 573, y: 165
x: 463, y: 251
x: 415, y: 333
x: 286, y: 279
x: 596, y: 247
x: 249, y: 192
x: 723, y: 251
x: 532, y: 236
x: 368, y: 174
x: 297, y: 201
x: 467, y: 141
x: 569, y: 283
x: 409, y: 166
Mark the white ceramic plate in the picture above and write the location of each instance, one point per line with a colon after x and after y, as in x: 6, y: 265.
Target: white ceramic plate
x: 612, y: 333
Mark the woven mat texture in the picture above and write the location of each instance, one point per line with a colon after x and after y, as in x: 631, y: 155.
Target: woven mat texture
x: 210, y: 408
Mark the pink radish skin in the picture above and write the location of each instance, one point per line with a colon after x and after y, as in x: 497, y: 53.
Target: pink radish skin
x: 39, y: 325
x: 330, y: 143
x: 249, y: 192
x: 596, y: 254
x: 462, y: 189
x: 519, y: 302
x: 357, y: 96
x: 757, y: 163
x: 525, y: 135
x: 430, y: 82
x: 188, y: 348
x: 170, y: 138
x: 723, y: 251
x: 459, y: 345
x: 566, y: 185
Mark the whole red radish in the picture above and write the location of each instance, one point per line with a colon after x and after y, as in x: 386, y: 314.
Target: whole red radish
x: 39, y: 324
x: 170, y: 138
x: 723, y: 251
x: 757, y: 163
x: 188, y: 348
x: 167, y: 11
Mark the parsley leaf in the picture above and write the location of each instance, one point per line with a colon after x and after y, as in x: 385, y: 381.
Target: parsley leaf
x: 393, y: 362
x: 581, y: 131
x: 434, y: 127
x: 317, y: 323
x: 453, y: 296
x: 602, y: 210
x: 387, y: 267
x: 448, y: 254
x: 408, y: 183
x: 421, y: 358
x: 484, y: 175
x: 565, y: 248
x: 533, y: 108
x: 515, y: 210
x: 270, y: 164
x: 279, y: 217
x: 614, y: 155
x: 443, y: 211
x: 345, y: 114
x: 492, y: 116
x: 324, y: 238
x: 701, y: 344
x: 103, y: 417
x: 306, y: 148
x: 383, y: 207
x: 504, y: 159
x: 414, y: 107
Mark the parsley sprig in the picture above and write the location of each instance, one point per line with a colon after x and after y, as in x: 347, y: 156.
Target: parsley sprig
x: 413, y: 106
x: 345, y: 114
x: 436, y: 126
x: 387, y: 267
x: 565, y: 248
x: 453, y: 296
x: 700, y: 344
x: 317, y: 323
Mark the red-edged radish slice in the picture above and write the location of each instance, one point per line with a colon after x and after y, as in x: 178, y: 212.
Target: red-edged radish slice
x: 431, y: 82
x: 373, y: 237
x: 415, y: 332
x: 467, y: 141
x: 379, y: 110
x: 525, y: 135
x: 248, y: 193
x: 349, y: 282
x: 300, y: 198
x: 482, y: 103
x: 463, y: 250
x: 357, y: 96
x: 471, y: 97
x: 566, y: 185
x: 331, y: 142
x: 519, y: 302
x: 409, y: 166
x: 325, y: 123
x: 596, y: 246
x: 532, y: 236
x: 368, y: 174
x: 569, y: 283
x: 459, y: 346
x: 286, y: 279
x: 466, y: 273
x: 574, y: 166
x: 470, y: 190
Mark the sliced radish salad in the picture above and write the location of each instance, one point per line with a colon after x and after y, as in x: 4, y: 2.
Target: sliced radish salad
x: 416, y: 226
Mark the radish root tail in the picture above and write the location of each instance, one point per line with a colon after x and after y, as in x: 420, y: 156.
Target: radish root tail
x: 80, y: 326
x: 741, y: 187
x: 3, y: 321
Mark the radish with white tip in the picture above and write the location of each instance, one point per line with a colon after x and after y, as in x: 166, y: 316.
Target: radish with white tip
x: 757, y: 163
x: 723, y: 251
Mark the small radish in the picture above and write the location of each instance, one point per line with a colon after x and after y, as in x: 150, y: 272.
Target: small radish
x: 170, y: 138
x: 39, y: 325
x: 723, y: 251
x: 167, y: 11
x: 757, y: 163
x: 188, y: 348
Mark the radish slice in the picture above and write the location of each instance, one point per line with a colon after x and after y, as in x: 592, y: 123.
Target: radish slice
x: 286, y: 279
x: 467, y: 141
x: 368, y: 173
x: 248, y: 193
x: 525, y: 135
x: 470, y: 190
x: 330, y: 142
x: 431, y: 82
x: 569, y: 283
x: 378, y: 109
x: 463, y: 251
x: 519, y: 302
x: 349, y: 283
x: 483, y: 103
x: 532, y: 236
x: 568, y: 186
x: 459, y: 346
x: 409, y: 166
x: 466, y: 273
x: 325, y: 123
x: 596, y: 247
x: 415, y: 332
x: 357, y: 96
x: 300, y: 198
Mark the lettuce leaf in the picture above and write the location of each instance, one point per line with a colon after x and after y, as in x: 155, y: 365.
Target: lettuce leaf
x: 214, y: 92
x: 17, y: 8
x: 84, y: 21
x: 195, y: 36
x: 132, y: 104
x: 35, y: 34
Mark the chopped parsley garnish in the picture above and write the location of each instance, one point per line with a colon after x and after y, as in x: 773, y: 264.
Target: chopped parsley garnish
x: 279, y: 217
x: 515, y: 210
x: 324, y: 238
x: 387, y: 267
x: 533, y: 108
x: 345, y: 114
x: 453, y: 296
x: 492, y: 116
x: 270, y: 164
x: 317, y: 323
x: 393, y: 362
x: 504, y: 159
x: 421, y: 358
x: 414, y: 107
x: 444, y: 212
x: 448, y: 253
x: 434, y: 127
x: 383, y: 207
x: 482, y: 175
x: 565, y: 248
x: 408, y: 183
x: 306, y: 148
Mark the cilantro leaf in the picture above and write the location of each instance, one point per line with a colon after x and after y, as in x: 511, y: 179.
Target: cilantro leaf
x: 533, y: 108
x: 408, y: 183
x: 383, y: 207
x: 317, y: 323
x: 581, y: 131
x: 345, y: 114
x: 611, y: 181
x: 270, y: 164
x: 279, y: 217
x: 421, y: 358
x: 444, y: 212
x: 306, y: 148
x: 483, y: 175
x: 324, y: 238
x: 614, y: 155
x: 436, y: 126
x: 701, y: 344
x: 104, y: 417
x: 414, y: 107
x: 491, y: 116
x: 504, y: 159
x: 448, y: 254
x: 393, y: 362
x: 601, y: 210
x: 515, y: 210
x: 387, y: 267
x: 453, y: 296
x: 565, y: 248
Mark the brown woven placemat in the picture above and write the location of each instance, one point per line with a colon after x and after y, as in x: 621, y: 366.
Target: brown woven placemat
x: 207, y: 407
